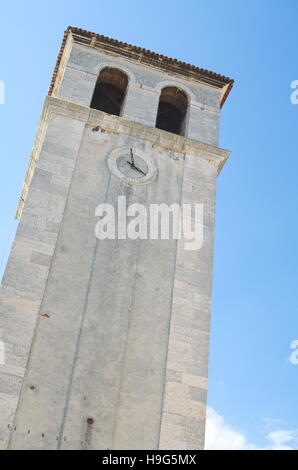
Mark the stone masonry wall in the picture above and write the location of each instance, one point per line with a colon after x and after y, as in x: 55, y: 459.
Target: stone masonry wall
x: 116, y: 331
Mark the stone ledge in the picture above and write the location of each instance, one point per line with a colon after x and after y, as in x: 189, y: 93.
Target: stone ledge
x: 120, y: 125
x: 116, y: 125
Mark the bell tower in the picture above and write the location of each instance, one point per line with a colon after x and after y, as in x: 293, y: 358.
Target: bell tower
x: 105, y: 339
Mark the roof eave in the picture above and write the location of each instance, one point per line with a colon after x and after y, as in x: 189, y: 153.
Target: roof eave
x: 91, y: 39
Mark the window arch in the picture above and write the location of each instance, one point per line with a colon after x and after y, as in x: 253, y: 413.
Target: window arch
x: 172, y: 110
x: 110, y: 90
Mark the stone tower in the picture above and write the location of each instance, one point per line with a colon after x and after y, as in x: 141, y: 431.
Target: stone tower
x: 104, y: 343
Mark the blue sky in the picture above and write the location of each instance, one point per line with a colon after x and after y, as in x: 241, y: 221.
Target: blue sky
x: 253, y: 385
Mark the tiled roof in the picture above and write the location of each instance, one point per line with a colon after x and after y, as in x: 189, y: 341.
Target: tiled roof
x: 146, y: 56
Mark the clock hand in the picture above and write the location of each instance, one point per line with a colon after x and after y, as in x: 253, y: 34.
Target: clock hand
x: 139, y: 170
x: 136, y: 168
x: 132, y: 158
x: 132, y: 164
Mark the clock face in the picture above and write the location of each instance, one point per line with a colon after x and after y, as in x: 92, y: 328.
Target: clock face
x: 132, y: 166
x: 137, y: 169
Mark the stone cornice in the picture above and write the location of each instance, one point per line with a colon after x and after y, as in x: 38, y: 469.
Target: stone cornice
x: 144, y: 56
x: 117, y: 125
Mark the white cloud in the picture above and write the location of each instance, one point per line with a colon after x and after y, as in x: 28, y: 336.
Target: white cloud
x: 281, y: 437
x: 221, y: 436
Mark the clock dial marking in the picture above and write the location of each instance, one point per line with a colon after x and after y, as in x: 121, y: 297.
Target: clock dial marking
x: 133, y: 166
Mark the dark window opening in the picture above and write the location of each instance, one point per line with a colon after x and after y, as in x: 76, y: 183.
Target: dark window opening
x: 171, y: 115
x: 110, y: 91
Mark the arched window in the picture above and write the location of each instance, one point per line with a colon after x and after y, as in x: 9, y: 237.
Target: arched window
x: 172, y: 109
x: 110, y: 91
